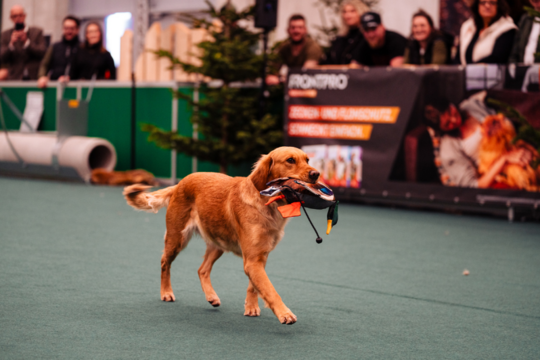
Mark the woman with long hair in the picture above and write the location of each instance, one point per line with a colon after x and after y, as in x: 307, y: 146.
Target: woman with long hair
x: 488, y: 36
x: 93, y: 59
x: 426, y: 45
x: 343, y: 47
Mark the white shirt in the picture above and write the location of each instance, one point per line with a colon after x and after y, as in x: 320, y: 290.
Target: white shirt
x: 471, y: 145
x: 528, y: 57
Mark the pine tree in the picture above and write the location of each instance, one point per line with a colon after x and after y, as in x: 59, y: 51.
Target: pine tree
x: 226, y: 119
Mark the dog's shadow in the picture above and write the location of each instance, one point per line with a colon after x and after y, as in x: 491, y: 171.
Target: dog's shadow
x: 180, y: 318
x: 227, y: 318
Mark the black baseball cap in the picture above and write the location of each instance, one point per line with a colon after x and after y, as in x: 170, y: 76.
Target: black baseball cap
x: 370, y: 20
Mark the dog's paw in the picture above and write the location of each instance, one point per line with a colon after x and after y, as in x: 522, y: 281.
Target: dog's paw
x: 169, y: 297
x: 287, y: 317
x: 252, y: 310
x: 214, y: 301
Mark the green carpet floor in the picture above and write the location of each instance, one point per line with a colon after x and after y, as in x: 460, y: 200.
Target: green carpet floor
x: 80, y: 275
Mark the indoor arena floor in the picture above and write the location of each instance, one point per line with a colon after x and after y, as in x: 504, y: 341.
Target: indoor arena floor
x: 80, y: 275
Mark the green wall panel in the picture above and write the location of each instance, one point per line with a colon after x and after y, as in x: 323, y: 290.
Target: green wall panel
x: 185, y: 127
x: 109, y: 117
x: 18, y: 97
x: 154, y: 106
x: 48, y: 121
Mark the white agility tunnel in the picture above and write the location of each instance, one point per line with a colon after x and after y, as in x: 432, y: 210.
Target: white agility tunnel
x: 76, y: 156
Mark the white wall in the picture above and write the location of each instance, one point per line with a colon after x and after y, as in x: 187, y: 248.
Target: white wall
x: 177, y: 5
x: 397, y: 14
x: 100, y: 8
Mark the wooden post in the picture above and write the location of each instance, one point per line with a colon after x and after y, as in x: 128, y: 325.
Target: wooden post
x: 151, y: 43
x: 125, y: 68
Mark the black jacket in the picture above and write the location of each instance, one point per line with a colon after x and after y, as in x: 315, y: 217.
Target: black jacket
x: 58, y: 57
x: 494, y: 47
x: 394, y: 46
x: 344, y: 48
x: 93, y: 60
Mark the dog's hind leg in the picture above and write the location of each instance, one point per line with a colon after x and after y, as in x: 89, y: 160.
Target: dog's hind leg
x: 251, y: 305
x: 210, y: 256
x: 180, y: 228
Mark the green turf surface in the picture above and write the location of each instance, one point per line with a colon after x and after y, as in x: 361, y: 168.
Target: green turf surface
x: 79, y: 279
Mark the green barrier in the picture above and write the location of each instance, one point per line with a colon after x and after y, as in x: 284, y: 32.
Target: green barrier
x: 109, y: 117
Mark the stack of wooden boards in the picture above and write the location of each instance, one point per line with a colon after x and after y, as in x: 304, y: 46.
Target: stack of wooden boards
x: 177, y: 38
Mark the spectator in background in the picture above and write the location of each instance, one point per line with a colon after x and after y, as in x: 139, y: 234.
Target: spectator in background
x: 526, y: 42
x: 92, y: 58
x: 382, y: 47
x: 57, y: 61
x: 487, y: 36
x: 22, y: 49
x: 344, y: 47
x: 299, y: 50
x: 427, y: 45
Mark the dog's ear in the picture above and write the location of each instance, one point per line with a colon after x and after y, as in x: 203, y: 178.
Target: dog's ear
x: 261, y: 172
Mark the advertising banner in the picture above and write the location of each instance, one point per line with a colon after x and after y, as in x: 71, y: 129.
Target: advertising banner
x: 448, y: 134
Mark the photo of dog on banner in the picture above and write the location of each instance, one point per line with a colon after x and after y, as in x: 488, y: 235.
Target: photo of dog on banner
x: 479, y: 142
x: 477, y: 146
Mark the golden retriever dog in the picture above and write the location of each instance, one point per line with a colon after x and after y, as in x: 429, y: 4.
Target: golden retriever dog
x: 230, y: 215
x: 498, y: 133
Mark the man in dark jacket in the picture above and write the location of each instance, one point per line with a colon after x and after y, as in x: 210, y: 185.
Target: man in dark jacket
x: 382, y: 47
x: 57, y: 60
x: 23, y: 47
x: 526, y: 42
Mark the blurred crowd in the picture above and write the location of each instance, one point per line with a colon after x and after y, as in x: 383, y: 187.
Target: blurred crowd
x: 489, y: 36
x: 24, y: 54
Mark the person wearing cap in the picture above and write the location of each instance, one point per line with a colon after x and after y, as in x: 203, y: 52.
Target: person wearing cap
x: 22, y: 47
x: 382, y: 47
x: 298, y: 51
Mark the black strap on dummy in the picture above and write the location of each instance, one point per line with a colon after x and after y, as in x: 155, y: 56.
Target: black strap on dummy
x: 319, y: 239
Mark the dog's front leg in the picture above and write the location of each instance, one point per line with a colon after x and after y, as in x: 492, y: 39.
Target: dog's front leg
x: 254, y: 268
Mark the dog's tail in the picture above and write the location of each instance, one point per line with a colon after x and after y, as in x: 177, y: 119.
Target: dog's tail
x: 137, y: 197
